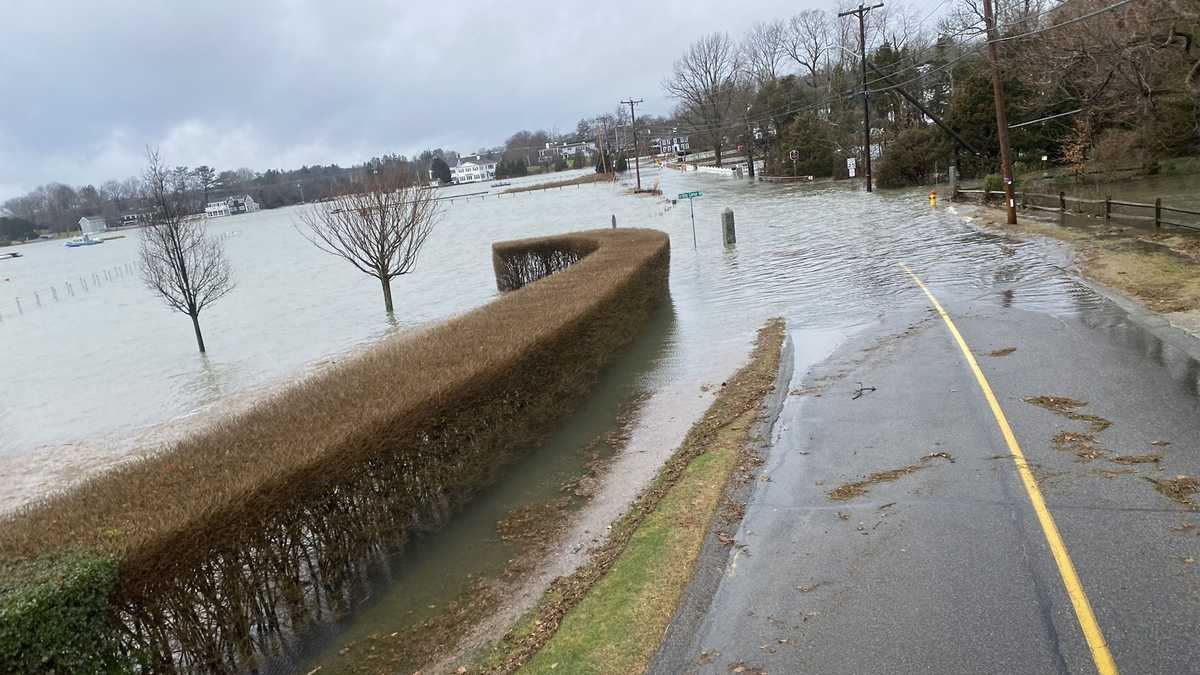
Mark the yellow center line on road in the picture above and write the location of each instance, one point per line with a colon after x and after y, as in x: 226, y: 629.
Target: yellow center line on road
x: 1066, y: 569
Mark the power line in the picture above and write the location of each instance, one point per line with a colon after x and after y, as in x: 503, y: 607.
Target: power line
x: 1064, y: 23
x: 861, y: 12
x: 633, y: 123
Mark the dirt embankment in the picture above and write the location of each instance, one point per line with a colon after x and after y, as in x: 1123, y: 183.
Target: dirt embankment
x: 1158, y: 268
x: 578, y: 180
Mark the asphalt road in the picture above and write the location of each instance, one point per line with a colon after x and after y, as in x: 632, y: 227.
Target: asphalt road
x: 947, y: 568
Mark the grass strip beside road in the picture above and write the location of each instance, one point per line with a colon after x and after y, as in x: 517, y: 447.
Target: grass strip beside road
x: 611, y: 614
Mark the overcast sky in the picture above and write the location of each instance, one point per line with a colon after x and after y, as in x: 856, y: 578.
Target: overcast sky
x: 281, y: 83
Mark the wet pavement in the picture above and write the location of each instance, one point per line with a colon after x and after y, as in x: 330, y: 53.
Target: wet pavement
x: 943, y: 566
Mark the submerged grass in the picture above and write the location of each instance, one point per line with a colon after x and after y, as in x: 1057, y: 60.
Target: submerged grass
x: 609, y: 616
x: 216, y: 537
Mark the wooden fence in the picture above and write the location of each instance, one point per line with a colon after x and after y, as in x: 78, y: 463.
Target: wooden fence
x: 1107, y: 208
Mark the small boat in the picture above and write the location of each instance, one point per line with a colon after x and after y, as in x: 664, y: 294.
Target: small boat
x: 86, y: 240
x: 501, y: 184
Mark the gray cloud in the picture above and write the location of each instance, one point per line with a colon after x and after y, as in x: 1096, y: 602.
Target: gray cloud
x: 280, y: 83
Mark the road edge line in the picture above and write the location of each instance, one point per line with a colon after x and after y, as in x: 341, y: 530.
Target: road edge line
x: 1101, y: 655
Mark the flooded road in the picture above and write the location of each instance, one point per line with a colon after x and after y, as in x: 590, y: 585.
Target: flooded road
x: 824, y: 257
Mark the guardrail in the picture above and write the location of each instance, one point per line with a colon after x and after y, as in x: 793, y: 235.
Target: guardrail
x: 1099, y: 208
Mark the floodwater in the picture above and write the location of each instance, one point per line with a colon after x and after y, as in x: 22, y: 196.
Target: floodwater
x: 97, y: 376
x: 823, y: 257
x: 96, y: 369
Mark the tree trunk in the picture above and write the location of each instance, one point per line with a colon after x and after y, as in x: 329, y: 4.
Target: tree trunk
x: 717, y: 153
x: 387, y: 293
x: 196, y: 326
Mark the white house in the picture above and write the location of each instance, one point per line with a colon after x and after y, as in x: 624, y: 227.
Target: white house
x: 672, y: 142
x: 92, y: 224
x: 566, y: 150
x: 473, y: 169
x: 231, y: 206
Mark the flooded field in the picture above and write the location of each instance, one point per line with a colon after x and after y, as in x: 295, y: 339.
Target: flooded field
x: 94, y: 374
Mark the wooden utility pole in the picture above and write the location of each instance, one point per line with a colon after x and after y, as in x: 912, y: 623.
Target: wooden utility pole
x: 860, y: 12
x: 1010, y: 203
x: 601, y: 137
x: 633, y: 125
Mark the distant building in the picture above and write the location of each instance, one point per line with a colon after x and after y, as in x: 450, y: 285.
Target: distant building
x: 231, y: 206
x: 473, y: 169
x: 129, y: 219
x: 92, y: 224
x: 670, y: 142
x: 554, y: 151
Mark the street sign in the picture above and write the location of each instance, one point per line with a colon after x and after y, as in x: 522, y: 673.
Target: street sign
x: 690, y: 195
x: 794, y: 155
x: 851, y: 165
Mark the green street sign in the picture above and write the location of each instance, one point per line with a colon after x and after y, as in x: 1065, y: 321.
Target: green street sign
x: 690, y: 195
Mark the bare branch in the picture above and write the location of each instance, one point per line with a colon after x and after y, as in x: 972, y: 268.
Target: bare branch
x: 378, y: 226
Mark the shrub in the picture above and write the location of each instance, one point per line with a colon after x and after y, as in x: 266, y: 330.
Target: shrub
x: 259, y: 525
x: 909, y: 159
x: 55, y: 615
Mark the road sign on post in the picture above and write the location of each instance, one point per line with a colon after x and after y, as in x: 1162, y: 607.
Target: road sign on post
x: 851, y: 165
x: 691, y: 196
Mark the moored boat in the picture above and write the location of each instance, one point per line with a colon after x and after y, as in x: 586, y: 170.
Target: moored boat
x: 86, y: 240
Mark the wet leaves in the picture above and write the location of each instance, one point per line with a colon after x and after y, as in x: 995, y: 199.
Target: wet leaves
x: 1137, y: 459
x: 1178, y: 489
x: 858, y: 488
x: 1082, y: 445
x: 1003, y: 352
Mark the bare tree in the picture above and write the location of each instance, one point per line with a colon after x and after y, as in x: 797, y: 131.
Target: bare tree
x: 378, y: 225
x: 807, y: 40
x: 705, y: 81
x: 180, y: 261
x: 763, y: 50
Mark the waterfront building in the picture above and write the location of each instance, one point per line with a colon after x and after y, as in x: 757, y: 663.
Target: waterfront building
x: 670, y: 142
x: 473, y: 169
x: 554, y: 151
x: 231, y: 206
x: 92, y: 224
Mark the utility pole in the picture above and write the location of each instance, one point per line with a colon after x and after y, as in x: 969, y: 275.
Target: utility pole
x: 860, y: 12
x: 601, y: 136
x: 1001, y: 114
x: 750, y: 141
x: 633, y: 125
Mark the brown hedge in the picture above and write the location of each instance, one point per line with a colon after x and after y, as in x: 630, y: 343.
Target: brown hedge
x: 223, y: 538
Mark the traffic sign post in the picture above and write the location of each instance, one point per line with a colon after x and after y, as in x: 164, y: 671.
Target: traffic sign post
x: 691, y: 197
x: 794, y: 155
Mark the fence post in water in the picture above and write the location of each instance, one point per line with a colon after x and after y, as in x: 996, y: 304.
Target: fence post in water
x: 1158, y: 212
x: 54, y: 292
x: 19, y: 310
x: 614, y: 221
x: 1062, y: 201
x: 38, y: 299
x: 1107, y: 207
x: 727, y: 227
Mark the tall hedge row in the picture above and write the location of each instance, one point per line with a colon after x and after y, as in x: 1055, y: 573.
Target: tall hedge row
x: 208, y: 556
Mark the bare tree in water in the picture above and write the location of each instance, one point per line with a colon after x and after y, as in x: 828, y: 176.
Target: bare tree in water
x: 377, y: 225
x: 180, y: 261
